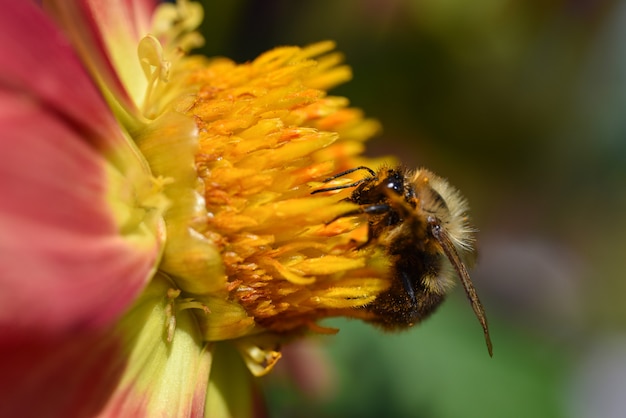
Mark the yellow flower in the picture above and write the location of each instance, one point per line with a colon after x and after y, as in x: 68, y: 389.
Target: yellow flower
x: 214, y: 162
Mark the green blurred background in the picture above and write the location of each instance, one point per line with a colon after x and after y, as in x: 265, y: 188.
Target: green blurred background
x: 520, y: 104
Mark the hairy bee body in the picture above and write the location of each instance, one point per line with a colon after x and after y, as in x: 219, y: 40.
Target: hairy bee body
x: 422, y: 223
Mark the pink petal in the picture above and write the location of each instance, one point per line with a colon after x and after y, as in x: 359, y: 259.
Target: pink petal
x: 69, y: 376
x: 63, y: 262
x: 36, y: 59
x: 107, y: 33
x: 128, y: 370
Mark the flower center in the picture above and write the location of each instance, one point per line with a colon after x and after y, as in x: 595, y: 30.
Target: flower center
x: 267, y: 131
x: 244, y: 146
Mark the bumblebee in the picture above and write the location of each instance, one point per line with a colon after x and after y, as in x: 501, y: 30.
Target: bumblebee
x: 422, y: 222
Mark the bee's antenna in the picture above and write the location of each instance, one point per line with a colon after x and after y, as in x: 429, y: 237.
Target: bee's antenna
x: 346, y: 186
x: 443, y: 238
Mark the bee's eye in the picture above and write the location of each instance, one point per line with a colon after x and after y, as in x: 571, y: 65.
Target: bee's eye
x: 396, y: 184
x: 392, y: 185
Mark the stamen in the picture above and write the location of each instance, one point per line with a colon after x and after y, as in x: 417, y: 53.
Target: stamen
x: 155, y: 68
x: 260, y: 353
x: 173, y: 307
x: 175, y: 24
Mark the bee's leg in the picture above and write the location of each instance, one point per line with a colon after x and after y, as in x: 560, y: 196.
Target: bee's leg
x: 370, y: 209
x: 408, y: 286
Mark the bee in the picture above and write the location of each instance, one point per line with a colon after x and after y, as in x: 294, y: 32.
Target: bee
x: 422, y: 222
